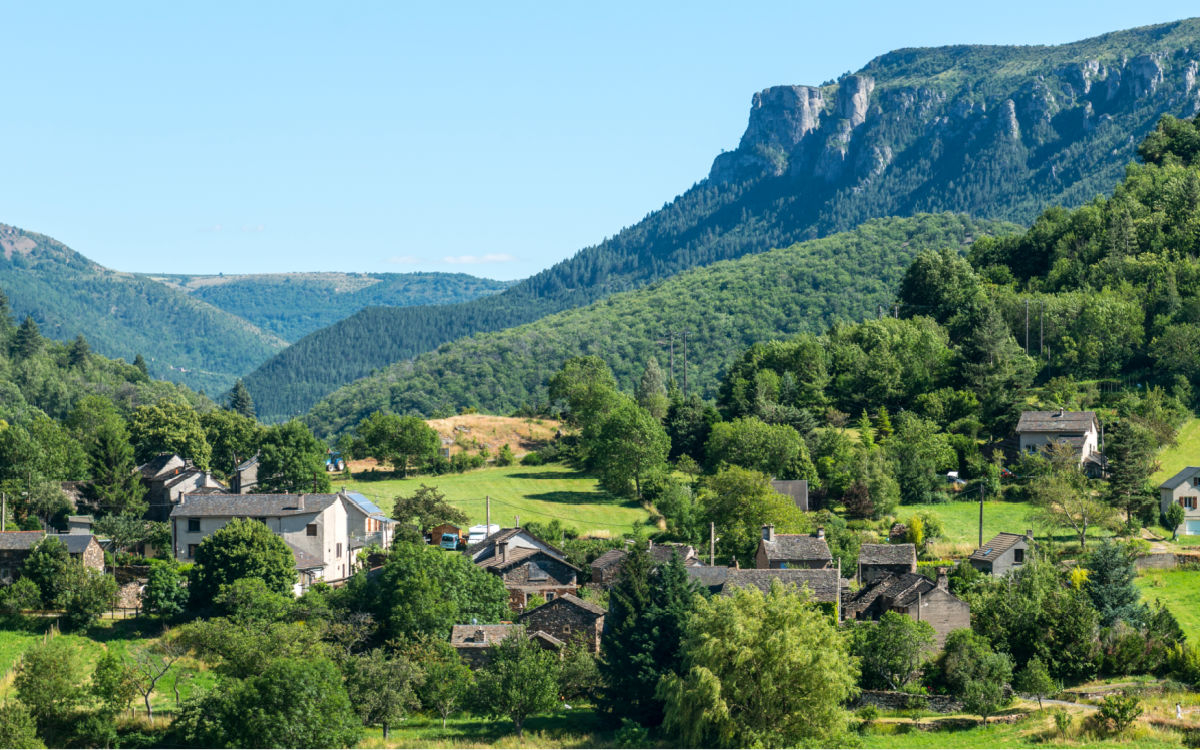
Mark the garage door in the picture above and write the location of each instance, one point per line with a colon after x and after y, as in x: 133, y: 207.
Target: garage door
x: 1193, y: 527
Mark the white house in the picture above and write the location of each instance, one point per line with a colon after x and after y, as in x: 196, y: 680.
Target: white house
x: 324, y: 531
x: 1079, y: 429
x: 1183, y: 489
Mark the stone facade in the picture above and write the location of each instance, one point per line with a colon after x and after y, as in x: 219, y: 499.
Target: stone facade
x: 568, y: 618
x: 1002, y: 553
x: 538, y: 574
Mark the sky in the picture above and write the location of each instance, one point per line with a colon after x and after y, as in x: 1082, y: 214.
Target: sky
x: 493, y: 138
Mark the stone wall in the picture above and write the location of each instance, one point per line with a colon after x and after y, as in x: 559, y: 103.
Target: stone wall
x: 1157, y: 560
x: 565, y: 622
x: 129, y: 596
x: 93, y: 556
x: 893, y: 700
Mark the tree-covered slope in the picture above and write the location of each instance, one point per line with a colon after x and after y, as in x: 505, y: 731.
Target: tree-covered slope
x: 292, y: 305
x: 184, y: 340
x: 725, y: 307
x: 997, y: 132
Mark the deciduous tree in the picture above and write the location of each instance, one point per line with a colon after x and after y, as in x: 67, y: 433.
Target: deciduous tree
x: 520, y: 681
x: 241, y: 549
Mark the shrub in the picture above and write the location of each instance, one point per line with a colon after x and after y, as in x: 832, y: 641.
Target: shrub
x: 531, y: 459
x: 1119, y: 712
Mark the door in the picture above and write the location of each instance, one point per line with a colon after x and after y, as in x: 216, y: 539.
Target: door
x: 1192, y: 527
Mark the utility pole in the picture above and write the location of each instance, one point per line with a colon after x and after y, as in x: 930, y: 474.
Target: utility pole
x: 880, y: 315
x: 684, y: 335
x: 670, y: 341
x: 518, y: 521
x: 3, y: 510
x: 981, y: 516
x: 487, y: 501
x: 1027, y: 326
x: 712, y: 543
x: 896, y: 310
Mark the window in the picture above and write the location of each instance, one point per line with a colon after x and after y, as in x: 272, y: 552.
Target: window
x: 192, y: 550
x: 193, y: 525
x: 311, y: 529
x: 1018, y: 556
x: 339, y: 549
x: 1188, y: 502
x: 549, y: 596
x: 1196, y: 481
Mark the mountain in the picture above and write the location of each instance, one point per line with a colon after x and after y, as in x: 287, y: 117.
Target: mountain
x: 724, y: 307
x: 996, y: 132
x: 291, y: 305
x: 184, y: 340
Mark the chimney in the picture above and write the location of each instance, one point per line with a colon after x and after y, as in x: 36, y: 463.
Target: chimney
x: 479, y: 635
x: 736, y: 564
x: 1029, y: 533
x: 300, y: 503
x: 820, y: 532
x: 943, y: 582
x: 502, y: 551
x: 768, y: 532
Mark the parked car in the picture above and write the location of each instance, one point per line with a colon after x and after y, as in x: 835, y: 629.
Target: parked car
x: 449, y: 541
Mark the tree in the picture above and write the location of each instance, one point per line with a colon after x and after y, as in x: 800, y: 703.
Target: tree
x: 396, y: 441
x: 644, y: 630
x: 740, y: 502
x: 791, y: 697
x: 448, y: 682
x: 975, y: 673
x: 631, y: 446
x: 920, y: 453
x: 17, y: 726
x: 1175, y: 515
x: 505, y: 457
x: 1120, y: 711
x: 84, y: 595
x: 586, y: 386
x: 427, y: 508
x: 1110, y: 585
x: 775, y: 450
x: 234, y: 438
x: 149, y: 665
x: 382, y: 688
x: 1034, y: 679
x: 291, y: 702
x: 689, y: 422
x: 241, y: 549
x: 1063, y: 499
x: 20, y: 596
x: 652, y: 391
x: 27, y: 341
x: 1130, y: 449
x: 47, y: 680
x: 292, y: 460
x: 78, y: 351
x: 165, y: 594
x: 112, y: 684
x: 127, y: 530
x: 46, y: 566
x: 169, y: 427
x: 892, y: 649
x: 521, y: 681
x: 140, y: 363
x: 116, y: 487
x: 240, y: 401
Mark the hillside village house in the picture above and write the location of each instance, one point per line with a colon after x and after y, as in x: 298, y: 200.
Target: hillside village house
x: 1080, y: 430
x: 568, y: 618
x: 792, y: 550
x: 606, y: 568
x: 15, y: 546
x: 527, y: 565
x: 244, y: 479
x: 1183, y: 489
x: 474, y: 642
x: 1002, y: 553
x: 878, y: 560
x: 323, y: 531
x: 913, y: 595
x: 167, y: 477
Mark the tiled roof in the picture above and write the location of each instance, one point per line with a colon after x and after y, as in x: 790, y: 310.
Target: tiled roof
x: 797, y: 547
x: 192, y: 505
x: 895, y: 591
x: 1180, y: 478
x: 887, y: 554
x: 1056, y: 421
x: 824, y: 583
x: 996, y: 546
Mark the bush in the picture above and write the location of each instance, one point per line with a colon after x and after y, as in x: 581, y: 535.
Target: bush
x: 531, y: 459
x: 1119, y: 712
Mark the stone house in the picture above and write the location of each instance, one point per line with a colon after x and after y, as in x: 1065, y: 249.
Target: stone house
x: 528, y: 572
x: 167, y: 477
x: 568, y: 617
x: 474, y: 642
x: 606, y: 568
x: 1079, y: 429
x: 878, y: 560
x: 825, y: 585
x: 1183, y: 489
x: 1002, y: 553
x: 15, y: 546
x: 244, y: 479
x: 792, y: 550
x: 317, y: 528
x: 913, y: 595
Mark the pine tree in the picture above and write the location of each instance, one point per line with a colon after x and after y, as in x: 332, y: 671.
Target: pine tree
x: 883, y: 424
x: 6, y: 322
x: 240, y: 400
x: 140, y: 362
x: 1130, y: 450
x: 28, y: 340
x: 78, y: 352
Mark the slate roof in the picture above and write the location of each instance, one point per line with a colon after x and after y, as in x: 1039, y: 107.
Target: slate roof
x: 304, y: 560
x: 503, y: 535
x: 1180, y: 478
x: 609, y: 559
x: 568, y: 599
x: 464, y: 636
x: 517, y: 556
x: 201, y: 505
x: 797, y: 547
x: 1056, y: 421
x: 896, y: 591
x: 247, y: 463
x: 159, y: 465
x: 711, y: 577
x: 824, y: 583
x: 996, y: 546
x: 24, y: 540
x: 887, y: 554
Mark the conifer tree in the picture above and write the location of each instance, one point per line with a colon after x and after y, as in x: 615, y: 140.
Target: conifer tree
x: 28, y: 340
x: 140, y: 363
x: 240, y: 400
x: 78, y: 352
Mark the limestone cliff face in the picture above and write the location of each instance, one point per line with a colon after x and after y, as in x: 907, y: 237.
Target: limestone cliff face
x: 884, y: 126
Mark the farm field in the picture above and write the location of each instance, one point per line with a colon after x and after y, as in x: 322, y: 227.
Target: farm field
x: 961, y: 519
x: 1185, y: 452
x: 535, y: 493
x: 1178, y: 589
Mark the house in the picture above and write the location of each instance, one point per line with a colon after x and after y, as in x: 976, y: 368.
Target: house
x: 913, y: 595
x: 877, y: 560
x: 317, y: 528
x: 568, y: 617
x: 792, y: 550
x: 606, y: 568
x: 15, y: 546
x: 80, y: 524
x: 824, y: 584
x: 527, y: 565
x: 474, y: 642
x: 796, y: 489
x: 1183, y: 489
x: 1002, y: 553
x: 244, y: 479
x: 168, y: 477
x: 1079, y: 429
x: 436, y: 533
x: 368, y: 525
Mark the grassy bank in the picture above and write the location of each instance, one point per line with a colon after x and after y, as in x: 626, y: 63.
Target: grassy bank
x: 1178, y: 589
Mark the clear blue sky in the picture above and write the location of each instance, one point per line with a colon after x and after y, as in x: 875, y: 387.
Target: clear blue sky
x: 494, y: 138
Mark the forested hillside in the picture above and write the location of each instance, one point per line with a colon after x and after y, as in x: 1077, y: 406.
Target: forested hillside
x: 997, y: 132
x: 291, y: 305
x: 184, y: 340
x: 724, y: 308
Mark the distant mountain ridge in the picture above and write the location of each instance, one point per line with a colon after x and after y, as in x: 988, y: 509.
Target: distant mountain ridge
x: 292, y: 305
x: 995, y: 132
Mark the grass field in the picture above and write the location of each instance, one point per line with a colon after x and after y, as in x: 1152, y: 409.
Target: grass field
x: 578, y: 727
x: 1178, y: 589
x: 961, y: 519
x: 1036, y: 731
x: 535, y: 493
x: 1184, y: 453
